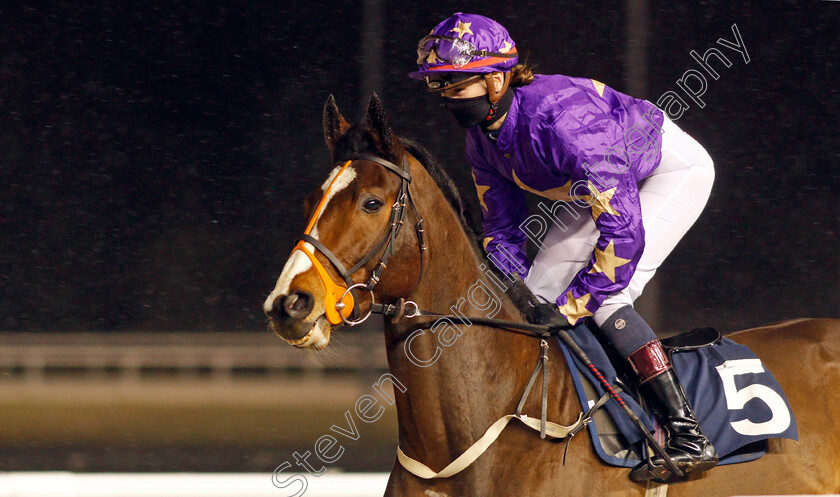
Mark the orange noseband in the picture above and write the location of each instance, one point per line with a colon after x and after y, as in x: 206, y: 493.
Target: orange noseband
x: 339, y: 301
x: 332, y: 291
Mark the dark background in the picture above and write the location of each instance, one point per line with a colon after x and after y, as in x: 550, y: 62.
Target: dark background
x: 154, y: 157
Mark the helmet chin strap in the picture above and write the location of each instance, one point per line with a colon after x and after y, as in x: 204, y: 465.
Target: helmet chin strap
x: 494, y: 95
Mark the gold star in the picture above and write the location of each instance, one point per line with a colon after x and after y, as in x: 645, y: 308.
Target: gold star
x: 601, y: 204
x: 606, y: 261
x: 486, y: 241
x: 599, y: 87
x: 575, y: 308
x: 462, y: 29
x: 481, y: 190
x: 558, y: 193
x: 506, y: 48
x: 431, y: 58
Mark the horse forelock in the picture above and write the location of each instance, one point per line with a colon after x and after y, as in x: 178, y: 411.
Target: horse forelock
x: 358, y: 139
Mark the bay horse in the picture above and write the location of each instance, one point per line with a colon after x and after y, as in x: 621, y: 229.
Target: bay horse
x: 476, y: 379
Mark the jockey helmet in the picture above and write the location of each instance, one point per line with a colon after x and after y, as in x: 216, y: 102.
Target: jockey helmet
x: 464, y: 43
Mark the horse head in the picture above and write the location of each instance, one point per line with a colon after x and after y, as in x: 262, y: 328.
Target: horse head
x: 355, y: 221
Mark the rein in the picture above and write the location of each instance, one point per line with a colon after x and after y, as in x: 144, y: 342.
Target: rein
x: 399, y: 310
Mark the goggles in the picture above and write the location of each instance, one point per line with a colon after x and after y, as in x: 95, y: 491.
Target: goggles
x: 446, y: 80
x: 455, y: 51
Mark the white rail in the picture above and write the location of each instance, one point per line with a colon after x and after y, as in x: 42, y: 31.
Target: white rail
x: 56, y: 484
x: 60, y: 484
x: 128, y: 354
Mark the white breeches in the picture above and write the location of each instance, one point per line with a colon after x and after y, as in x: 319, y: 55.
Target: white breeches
x: 671, y: 199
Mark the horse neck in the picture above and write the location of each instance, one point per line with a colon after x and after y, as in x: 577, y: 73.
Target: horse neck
x: 453, y: 265
x: 448, y: 404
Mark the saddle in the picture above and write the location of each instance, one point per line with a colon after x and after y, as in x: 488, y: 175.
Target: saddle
x: 691, y: 340
x: 738, y: 403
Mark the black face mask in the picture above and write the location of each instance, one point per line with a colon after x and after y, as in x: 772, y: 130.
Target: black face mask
x: 476, y: 111
x: 469, y: 112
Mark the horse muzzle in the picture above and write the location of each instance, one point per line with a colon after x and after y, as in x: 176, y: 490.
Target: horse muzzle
x: 296, y: 305
x: 287, y: 319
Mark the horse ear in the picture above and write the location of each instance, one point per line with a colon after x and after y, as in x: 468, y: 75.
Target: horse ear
x: 378, y: 124
x: 334, y: 123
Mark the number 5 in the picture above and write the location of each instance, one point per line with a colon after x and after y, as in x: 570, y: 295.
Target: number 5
x: 736, y: 399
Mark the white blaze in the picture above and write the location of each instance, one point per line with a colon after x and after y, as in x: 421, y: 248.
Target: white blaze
x: 298, y: 261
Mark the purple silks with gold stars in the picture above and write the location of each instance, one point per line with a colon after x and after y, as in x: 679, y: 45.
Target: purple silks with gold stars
x: 573, y: 140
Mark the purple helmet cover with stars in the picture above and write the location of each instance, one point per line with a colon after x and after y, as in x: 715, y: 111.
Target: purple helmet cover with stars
x: 483, y: 33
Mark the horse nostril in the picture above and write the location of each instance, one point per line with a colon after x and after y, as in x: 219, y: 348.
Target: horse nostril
x: 296, y: 305
x: 277, y: 308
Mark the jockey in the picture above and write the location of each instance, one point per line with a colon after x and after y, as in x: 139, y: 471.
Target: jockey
x: 625, y: 184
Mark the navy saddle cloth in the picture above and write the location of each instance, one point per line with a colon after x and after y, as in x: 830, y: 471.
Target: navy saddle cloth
x: 736, y: 400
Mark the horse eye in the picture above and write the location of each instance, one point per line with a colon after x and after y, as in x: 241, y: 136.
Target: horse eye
x: 372, y: 205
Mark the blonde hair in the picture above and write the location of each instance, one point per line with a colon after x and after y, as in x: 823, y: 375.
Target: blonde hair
x: 521, y: 75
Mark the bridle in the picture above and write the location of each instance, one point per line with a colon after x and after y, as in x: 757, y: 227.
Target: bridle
x: 338, y: 309
x: 339, y: 305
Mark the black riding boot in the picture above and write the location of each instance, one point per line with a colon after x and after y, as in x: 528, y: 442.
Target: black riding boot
x: 689, y: 448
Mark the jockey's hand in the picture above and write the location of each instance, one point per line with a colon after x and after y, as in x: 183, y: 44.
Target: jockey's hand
x: 532, y: 309
x: 547, y: 314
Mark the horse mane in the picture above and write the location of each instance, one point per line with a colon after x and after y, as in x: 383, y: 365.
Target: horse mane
x: 358, y: 139
x: 459, y: 204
